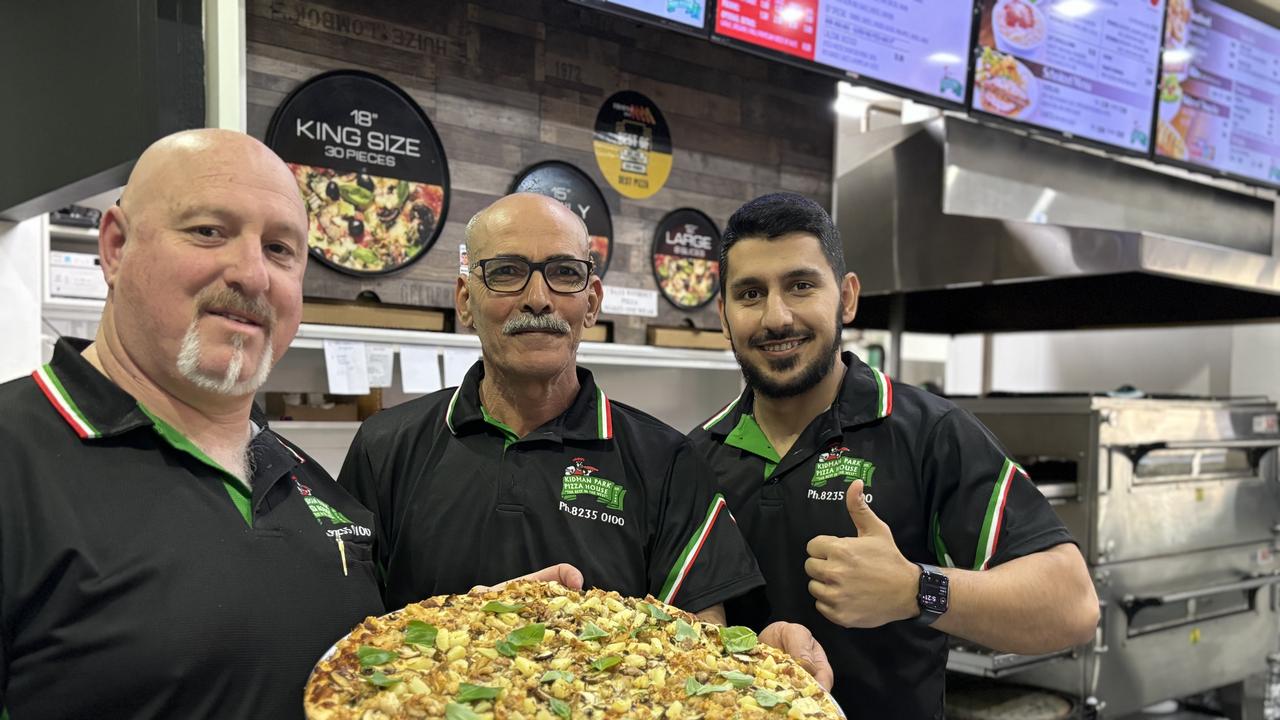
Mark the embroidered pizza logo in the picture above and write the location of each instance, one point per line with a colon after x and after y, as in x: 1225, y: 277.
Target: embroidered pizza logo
x: 578, y: 468
x: 832, y: 454
x: 834, y: 463
x: 580, y: 479
x: 319, y: 508
x: 322, y: 511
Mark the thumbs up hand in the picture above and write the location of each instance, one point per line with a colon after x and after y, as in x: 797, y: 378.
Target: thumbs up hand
x: 862, y: 581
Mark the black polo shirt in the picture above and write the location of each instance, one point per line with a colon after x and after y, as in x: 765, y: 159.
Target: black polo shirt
x: 460, y: 500
x: 931, y: 471
x: 139, y: 579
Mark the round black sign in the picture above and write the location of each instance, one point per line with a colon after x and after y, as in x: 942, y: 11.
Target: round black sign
x: 571, y: 186
x: 370, y: 167
x: 632, y: 144
x: 686, y: 258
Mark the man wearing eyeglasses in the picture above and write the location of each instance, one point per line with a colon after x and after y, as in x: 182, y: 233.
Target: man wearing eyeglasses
x: 528, y: 462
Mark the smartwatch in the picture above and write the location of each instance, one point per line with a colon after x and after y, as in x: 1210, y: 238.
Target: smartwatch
x: 932, y: 596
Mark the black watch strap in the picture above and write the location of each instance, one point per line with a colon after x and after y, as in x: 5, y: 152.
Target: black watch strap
x: 932, y: 597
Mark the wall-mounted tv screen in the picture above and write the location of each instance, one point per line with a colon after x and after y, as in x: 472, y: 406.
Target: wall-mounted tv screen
x: 921, y: 46
x: 1085, y: 69
x: 688, y: 15
x: 1219, y: 97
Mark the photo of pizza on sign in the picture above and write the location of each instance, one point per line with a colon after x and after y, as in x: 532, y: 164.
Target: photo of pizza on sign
x: 686, y: 258
x: 370, y: 168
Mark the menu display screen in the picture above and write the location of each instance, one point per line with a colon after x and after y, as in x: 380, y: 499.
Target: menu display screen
x: 692, y: 13
x: 1084, y: 68
x: 1220, y: 91
x: 919, y: 45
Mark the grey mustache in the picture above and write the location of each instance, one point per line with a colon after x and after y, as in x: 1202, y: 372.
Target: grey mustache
x: 526, y: 322
x: 229, y: 299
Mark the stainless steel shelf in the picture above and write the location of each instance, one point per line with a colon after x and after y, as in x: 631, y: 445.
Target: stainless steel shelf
x: 311, y: 336
x: 67, y: 232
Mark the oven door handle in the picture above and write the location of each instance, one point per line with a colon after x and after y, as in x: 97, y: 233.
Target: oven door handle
x: 1258, y: 446
x: 1208, y: 444
x: 1134, y: 603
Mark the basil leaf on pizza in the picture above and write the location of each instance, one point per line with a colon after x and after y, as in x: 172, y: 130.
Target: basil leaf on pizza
x: 420, y: 633
x: 371, y: 656
x: 737, y: 639
x: 470, y: 693
x: 591, y: 632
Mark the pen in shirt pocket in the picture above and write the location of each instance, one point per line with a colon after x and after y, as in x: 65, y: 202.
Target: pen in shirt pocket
x: 342, y: 553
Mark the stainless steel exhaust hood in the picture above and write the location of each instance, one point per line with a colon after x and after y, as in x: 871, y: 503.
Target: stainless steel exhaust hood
x: 962, y: 227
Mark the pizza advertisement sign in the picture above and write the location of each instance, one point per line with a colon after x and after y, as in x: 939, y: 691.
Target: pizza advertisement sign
x: 686, y: 258
x: 370, y: 167
x: 632, y: 145
x: 566, y: 183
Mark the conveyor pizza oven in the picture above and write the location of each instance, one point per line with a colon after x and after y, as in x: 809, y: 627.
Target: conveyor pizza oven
x: 1175, y: 505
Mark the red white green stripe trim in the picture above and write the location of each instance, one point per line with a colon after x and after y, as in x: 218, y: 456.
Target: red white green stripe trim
x: 604, y: 419
x: 995, y: 516
x: 720, y: 415
x: 448, y: 415
x: 884, y: 402
x: 57, y: 395
x: 676, y: 577
x: 285, y: 445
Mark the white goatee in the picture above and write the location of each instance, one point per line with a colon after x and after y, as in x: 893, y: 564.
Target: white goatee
x: 189, y: 365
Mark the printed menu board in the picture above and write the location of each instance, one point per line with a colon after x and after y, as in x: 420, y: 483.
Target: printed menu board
x: 571, y: 186
x: 919, y: 45
x: 686, y: 258
x: 370, y: 167
x: 1220, y: 91
x: 1084, y: 68
x: 685, y: 12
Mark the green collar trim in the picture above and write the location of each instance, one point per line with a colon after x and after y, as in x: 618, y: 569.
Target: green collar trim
x: 240, y: 495
x: 509, y: 435
x: 748, y: 436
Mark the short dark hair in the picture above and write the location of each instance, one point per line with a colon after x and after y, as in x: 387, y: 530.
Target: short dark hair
x: 776, y: 214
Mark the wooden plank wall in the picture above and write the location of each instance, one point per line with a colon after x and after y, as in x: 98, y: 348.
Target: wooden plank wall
x: 508, y: 83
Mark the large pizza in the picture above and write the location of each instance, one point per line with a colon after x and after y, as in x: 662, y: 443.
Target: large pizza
x: 538, y: 651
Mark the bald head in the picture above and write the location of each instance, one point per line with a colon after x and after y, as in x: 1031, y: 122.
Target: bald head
x: 523, y: 213
x: 168, y: 169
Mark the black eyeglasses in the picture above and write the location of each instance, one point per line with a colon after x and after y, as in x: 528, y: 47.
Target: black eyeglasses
x: 511, y: 274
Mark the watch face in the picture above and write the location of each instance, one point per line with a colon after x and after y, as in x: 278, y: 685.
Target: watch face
x: 933, y: 592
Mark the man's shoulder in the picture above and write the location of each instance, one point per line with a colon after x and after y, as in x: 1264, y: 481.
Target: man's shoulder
x: 651, y: 433
x: 26, y: 409
x: 915, y: 404
x: 412, y: 417
x: 17, y: 389
x: 702, y: 434
x: 702, y: 439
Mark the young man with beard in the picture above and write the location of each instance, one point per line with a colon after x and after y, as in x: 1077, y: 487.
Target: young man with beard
x: 529, y: 462
x: 163, y: 553
x: 883, y: 517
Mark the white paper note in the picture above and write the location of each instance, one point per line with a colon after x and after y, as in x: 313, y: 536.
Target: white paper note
x: 629, y: 301
x: 419, y: 369
x: 457, y: 361
x: 348, y: 370
x: 381, y: 360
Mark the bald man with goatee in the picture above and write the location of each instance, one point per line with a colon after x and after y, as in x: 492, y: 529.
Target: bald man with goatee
x: 163, y: 553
